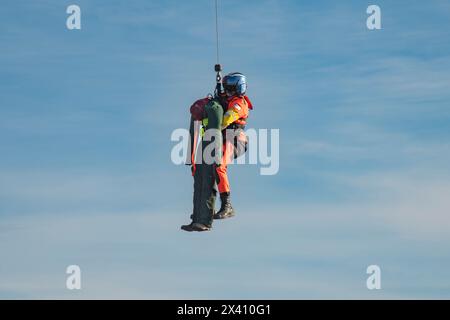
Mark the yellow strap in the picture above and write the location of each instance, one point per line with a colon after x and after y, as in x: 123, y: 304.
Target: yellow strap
x: 229, y: 117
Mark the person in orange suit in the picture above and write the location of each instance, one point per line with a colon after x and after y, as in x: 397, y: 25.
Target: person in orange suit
x: 236, y: 111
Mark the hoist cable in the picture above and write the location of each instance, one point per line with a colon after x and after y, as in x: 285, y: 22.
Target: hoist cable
x: 217, y: 33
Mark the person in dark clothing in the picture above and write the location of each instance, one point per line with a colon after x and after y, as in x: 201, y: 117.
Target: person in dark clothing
x: 204, y: 170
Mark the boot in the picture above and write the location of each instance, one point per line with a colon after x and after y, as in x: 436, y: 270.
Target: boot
x: 226, y: 210
x: 194, y: 226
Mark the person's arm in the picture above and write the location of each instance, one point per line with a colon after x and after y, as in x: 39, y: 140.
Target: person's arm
x: 194, y: 131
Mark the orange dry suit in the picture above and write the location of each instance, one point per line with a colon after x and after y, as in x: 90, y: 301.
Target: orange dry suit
x: 234, y: 138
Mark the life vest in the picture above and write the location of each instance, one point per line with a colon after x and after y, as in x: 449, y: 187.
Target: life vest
x: 240, y: 105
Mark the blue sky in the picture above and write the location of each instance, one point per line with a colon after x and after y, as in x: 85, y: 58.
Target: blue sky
x: 85, y: 171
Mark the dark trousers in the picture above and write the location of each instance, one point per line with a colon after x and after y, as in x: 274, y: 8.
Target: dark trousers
x: 204, y: 194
